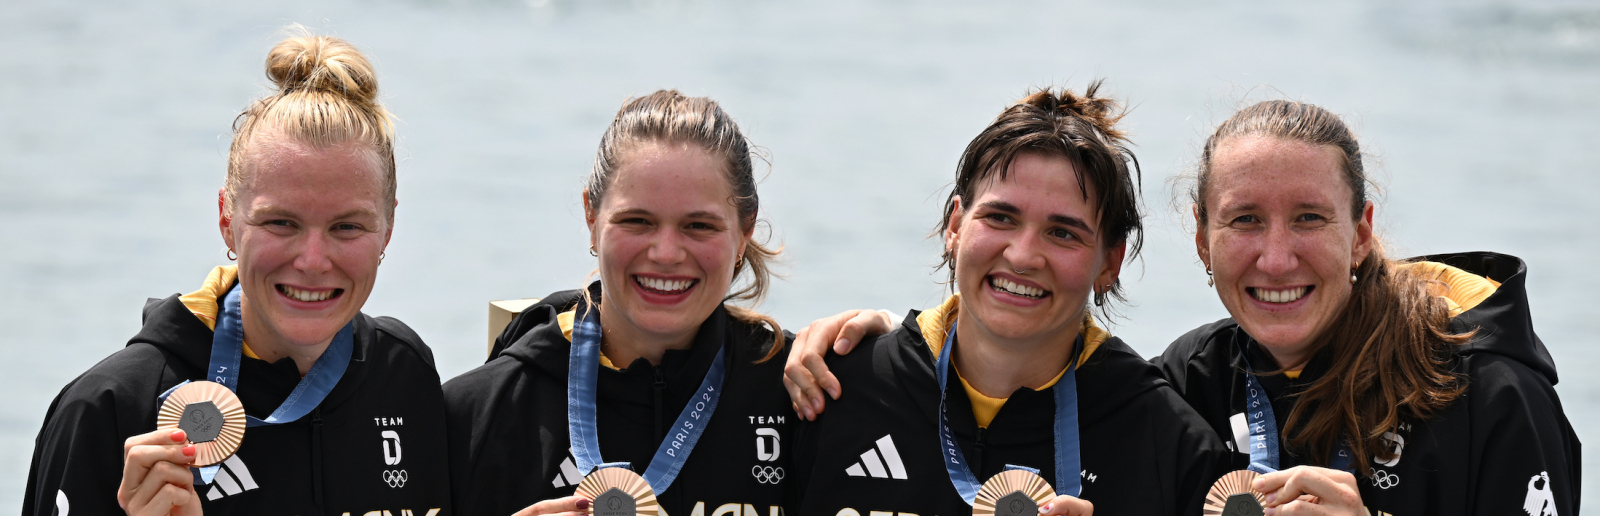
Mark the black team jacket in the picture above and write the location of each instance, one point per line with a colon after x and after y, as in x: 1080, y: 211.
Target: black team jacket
x: 876, y: 449
x: 1503, y: 447
x: 374, y: 444
x: 508, y: 419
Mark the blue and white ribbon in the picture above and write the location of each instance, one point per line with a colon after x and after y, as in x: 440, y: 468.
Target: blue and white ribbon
x: 227, y: 346
x: 583, y: 371
x: 1068, y: 459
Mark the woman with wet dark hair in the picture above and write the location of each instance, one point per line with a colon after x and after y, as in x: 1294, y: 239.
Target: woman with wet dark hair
x: 1012, y: 372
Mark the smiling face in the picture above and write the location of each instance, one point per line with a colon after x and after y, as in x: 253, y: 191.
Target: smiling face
x: 1037, y: 221
x: 308, y: 225
x: 667, y: 238
x: 1281, y: 239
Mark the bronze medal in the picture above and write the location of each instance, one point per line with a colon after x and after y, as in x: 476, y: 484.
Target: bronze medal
x: 211, y: 417
x: 1012, y: 493
x: 1231, y: 496
x: 618, y: 492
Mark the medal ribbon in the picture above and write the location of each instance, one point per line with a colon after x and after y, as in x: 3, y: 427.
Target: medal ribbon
x: 1068, y: 458
x: 227, y: 345
x: 1263, y: 423
x: 583, y: 371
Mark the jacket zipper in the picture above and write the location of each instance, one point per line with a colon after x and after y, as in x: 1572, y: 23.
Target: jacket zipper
x: 977, y: 452
x: 659, y: 386
x: 316, y: 456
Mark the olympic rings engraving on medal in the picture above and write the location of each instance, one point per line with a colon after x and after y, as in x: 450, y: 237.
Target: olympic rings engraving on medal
x: 395, y: 477
x: 767, y: 474
x: 1383, y: 480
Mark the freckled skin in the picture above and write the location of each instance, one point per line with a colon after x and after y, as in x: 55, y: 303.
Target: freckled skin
x: 1066, y: 261
x: 1280, y: 217
x: 311, y: 219
x: 667, y: 215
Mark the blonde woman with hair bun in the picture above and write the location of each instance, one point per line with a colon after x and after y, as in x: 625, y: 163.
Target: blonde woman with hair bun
x: 344, y: 410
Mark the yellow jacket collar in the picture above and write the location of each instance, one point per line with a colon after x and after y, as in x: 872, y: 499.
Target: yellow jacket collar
x: 936, y: 322
x: 203, y: 303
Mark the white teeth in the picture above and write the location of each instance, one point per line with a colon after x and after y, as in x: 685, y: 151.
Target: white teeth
x: 1014, y: 288
x: 302, y: 295
x: 663, y: 285
x: 1279, y: 296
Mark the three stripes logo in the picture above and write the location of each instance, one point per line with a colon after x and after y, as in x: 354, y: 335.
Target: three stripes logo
x: 881, y: 461
x: 569, y: 474
x: 233, y: 478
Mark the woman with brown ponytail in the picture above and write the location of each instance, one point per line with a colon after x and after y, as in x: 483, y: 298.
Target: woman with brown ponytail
x: 1376, y: 386
x: 1012, y: 372
x: 652, y: 370
x: 345, y: 412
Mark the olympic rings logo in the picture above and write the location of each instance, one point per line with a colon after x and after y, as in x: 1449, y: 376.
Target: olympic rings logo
x: 395, y: 478
x: 767, y: 474
x: 1384, y: 480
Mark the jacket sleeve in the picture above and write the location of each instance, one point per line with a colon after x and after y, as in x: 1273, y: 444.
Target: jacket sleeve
x: 77, y: 458
x: 1527, y: 456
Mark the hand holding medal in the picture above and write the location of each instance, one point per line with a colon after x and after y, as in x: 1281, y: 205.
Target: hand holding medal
x: 156, y: 479
x: 1251, y: 491
x: 1021, y: 492
x: 1332, y: 491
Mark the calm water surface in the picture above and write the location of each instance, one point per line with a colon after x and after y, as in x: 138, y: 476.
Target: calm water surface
x: 114, y: 119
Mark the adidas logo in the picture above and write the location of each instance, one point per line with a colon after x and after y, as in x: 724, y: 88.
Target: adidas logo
x: 568, y: 476
x: 232, y: 478
x: 875, y: 467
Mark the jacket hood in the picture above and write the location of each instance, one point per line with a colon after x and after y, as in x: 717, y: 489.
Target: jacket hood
x: 170, y: 326
x: 538, y: 348
x: 541, y: 344
x: 1503, y: 323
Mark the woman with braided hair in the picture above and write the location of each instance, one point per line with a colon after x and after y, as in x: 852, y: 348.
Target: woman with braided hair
x: 1012, y: 370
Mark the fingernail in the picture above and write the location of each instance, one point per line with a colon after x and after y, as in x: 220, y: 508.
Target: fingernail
x: 1046, y: 507
x: 1270, y: 511
x: 816, y: 404
x: 807, y: 413
x: 1272, y: 497
x: 583, y: 503
x: 840, y: 343
x: 189, y: 450
x: 176, y: 436
x: 833, y: 391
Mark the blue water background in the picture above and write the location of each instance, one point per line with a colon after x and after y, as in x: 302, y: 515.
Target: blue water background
x: 1481, y: 117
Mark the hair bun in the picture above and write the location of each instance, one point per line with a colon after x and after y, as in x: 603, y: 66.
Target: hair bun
x: 1102, y: 112
x: 322, y: 63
